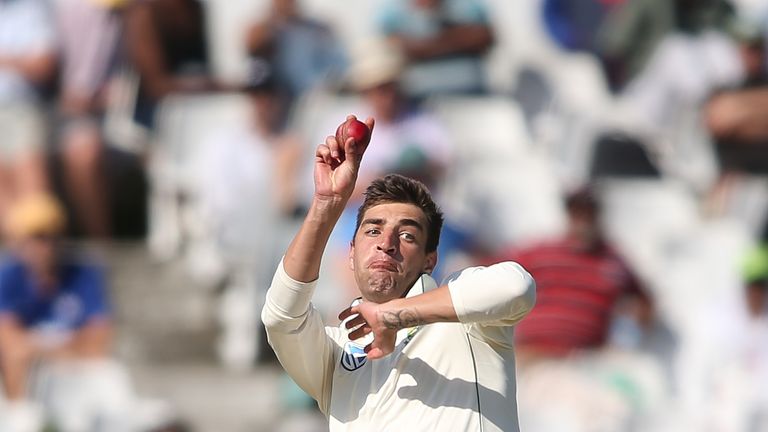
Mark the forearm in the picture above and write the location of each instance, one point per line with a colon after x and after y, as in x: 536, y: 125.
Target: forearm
x: 16, y: 356
x: 37, y: 68
x: 428, y: 308
x: 92, y: 341
x: 302, y: 259
x: 462, y: 39
x: 739, y: 115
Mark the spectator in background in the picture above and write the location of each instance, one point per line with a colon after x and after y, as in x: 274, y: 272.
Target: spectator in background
x: 301, y: 51
x: 88, y: 32
x: 581, y: 286
x: 735, y: 118
x: 409, y: 141
x: 166, y: 44
x: 247, y: 177
x: 581, y: 281
x: 52, y: 306
x: 27, y: 63
x: 632, y: 31
x: 443, y: 41
x: 56, y: 328
x: 252, y: 163
x: 743, y: 370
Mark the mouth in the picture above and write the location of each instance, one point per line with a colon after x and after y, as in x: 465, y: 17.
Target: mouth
x: 383, y: 266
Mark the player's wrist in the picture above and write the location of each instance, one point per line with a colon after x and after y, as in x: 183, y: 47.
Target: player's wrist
x: 396, y: 315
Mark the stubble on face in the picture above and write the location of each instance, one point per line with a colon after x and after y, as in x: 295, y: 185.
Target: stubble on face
x: 382, y: 276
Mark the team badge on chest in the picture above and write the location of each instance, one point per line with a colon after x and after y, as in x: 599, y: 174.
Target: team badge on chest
x: 353, y: 357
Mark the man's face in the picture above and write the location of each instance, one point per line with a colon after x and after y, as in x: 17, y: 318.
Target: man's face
x: 384, y: 99
x: 584, y: 226
x: 389, y: 253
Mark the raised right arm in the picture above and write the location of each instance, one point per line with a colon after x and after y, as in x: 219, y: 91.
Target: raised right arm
x: 294, y: 328
x: 336, y: 169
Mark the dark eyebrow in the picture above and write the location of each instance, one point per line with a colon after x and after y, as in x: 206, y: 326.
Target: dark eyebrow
x: 411, y: 222
x: 403, y: 222
x: 372, y: 222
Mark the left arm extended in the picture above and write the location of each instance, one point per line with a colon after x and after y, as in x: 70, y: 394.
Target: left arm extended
x: 501, y: 294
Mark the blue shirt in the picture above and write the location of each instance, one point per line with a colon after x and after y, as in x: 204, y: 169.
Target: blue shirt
x: 79, y: 298
x: 460, y: 74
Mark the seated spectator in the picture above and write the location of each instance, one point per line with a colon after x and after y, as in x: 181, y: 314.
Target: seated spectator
x: 302, y: 52
x: 27, y: 64
x: 247, y: 176
x: 633, y: 30
x: 56, y: 325
x: 408, y: 140
x: 166, y: 45
x: 735, y: 117
x: 443, y: 41
x: 580, y: 282
x: 253, y: 163
x: 88, y: 32
x: 561, y: 346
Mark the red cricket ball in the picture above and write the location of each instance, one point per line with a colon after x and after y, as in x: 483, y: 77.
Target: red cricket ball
x: 353, y: 128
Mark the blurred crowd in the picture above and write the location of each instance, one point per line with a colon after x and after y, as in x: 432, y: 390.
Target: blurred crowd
x: 617, y: 149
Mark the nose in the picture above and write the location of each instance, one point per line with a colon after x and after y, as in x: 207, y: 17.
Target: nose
x: 388, y: 244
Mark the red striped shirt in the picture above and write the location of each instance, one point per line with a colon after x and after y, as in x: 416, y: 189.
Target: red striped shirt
x: 576, y: 291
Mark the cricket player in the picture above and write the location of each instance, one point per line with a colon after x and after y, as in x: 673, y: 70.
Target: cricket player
x: 409, y: 354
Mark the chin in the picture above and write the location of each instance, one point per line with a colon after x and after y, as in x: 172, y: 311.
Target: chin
x: 382, y: 288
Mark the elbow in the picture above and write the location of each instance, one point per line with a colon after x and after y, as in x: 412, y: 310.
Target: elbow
x: 269, y: 319
x: 277, y: 322
x: 522, y: 293
x: 528, y: 299
x: 518, y: 288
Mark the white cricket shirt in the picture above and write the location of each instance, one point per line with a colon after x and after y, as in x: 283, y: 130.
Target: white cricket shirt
x: 429, y: 382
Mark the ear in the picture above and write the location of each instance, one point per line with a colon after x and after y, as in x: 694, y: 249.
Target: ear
x: 430, y: 262
x: 352, y: 255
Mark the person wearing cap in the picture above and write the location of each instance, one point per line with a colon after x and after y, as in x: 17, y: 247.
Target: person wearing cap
x: 52, y: 306
x: 409, y: 140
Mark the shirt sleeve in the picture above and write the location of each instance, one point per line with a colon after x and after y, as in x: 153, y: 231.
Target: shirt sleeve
x: 500, y: 294
x: 298, y: 336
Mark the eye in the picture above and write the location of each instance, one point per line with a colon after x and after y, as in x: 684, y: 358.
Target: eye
x: 408, y: 237
x: 372, y: 232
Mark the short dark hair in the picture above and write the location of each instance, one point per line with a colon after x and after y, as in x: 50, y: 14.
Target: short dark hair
x: 583, y: 198
x: 395, y: 188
